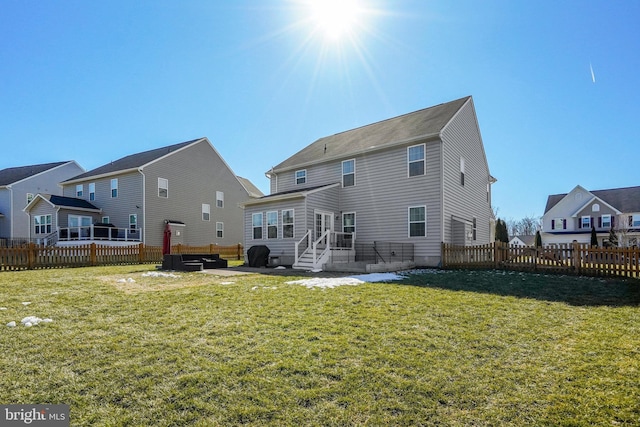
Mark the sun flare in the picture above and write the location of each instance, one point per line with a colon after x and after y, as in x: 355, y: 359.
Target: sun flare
x: 335, y: 18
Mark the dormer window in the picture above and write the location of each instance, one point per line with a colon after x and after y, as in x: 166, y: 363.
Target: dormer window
x: 301, y: 177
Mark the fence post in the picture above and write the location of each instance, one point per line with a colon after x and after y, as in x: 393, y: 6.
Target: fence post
x: 31, y: 256
x: 497, y: 258
x: 93, y: 260
x: 577, y: 263
x: 239, y: 251
x: 141, y: 257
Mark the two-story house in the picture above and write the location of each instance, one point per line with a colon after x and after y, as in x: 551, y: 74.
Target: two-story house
x: 571, y: 216
x: 18, y: 187
x: 187, y: 185
x: 419, y: 179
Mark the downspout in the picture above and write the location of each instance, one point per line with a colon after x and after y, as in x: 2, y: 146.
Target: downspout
x: 11, y: 214
x: 442, y: 206
x: 144, y: 207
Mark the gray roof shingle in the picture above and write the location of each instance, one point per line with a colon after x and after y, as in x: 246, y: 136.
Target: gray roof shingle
x: 426, y: 122
x: 10, y: 176
x: 133, y: 161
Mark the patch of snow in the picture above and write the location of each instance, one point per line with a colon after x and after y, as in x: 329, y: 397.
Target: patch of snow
x: 3, y: 308
x: 333, y: 282
x: 280, y: 267
x: 30, y: 321
x: 160, y: 274
x: 227, y: 283
x: 11, y: 324
x: 26, y: 303
x: 129, y: 280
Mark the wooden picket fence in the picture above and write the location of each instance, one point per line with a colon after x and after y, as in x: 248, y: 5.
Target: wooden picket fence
x: 30, y: 257
x: 573, y: 258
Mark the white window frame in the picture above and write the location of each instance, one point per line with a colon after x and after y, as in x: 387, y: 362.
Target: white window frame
x: 608, y: 221
x: 257, y: 225
x: 558, y: 224
x: 220, y: 199
x: 114, y: 188
x: 79, y: 190
x: 42, y: 224
x: 301, y: 176
x: 462, y: 170
x: 422, y: 160
x: 635, y: 220
x: 220, y: 230
x: 271, y: 227
x: 595, y: 207
x: 344, y: 226
x: 206, y: 212
x: 410, y: 222
x: 353, y: 172
x: 30, y: 197
x: 92, y: 191
x: 288, y: 225
x: 586, y: 219
x: 163, y: 188
x: 133, y: 223
x: 106, y: 220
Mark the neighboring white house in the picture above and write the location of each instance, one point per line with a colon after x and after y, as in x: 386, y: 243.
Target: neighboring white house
x: 523, y: 240
x: 416, y: 180
x: 572, y: 216
x: 19, y: 186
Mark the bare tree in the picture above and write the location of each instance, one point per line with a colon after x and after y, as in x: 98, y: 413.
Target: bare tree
x: 526, y: 226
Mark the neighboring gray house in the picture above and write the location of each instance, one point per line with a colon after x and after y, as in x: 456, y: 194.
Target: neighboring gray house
x: 19, y: 185
x: 419, y: 179
x: 571, y: 216
x: 187, y: 185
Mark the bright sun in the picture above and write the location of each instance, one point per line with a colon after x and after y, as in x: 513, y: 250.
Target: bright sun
x: 335, y: 17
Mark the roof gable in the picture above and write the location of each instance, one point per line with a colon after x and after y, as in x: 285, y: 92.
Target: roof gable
x: 428, y: 122
x: 134, y: 161
x: 10, y: 176
x: 62, y: 202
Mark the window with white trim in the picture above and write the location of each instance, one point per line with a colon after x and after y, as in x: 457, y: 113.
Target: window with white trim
x: 220, y: 199
x: 634, y: 220
x: 114, y: 187
x: 349, y: 173
x: 416, y: 163
x: 256, y: 224
x: 558, y: 224
x: 106, y: 220
x: 462, y: 172
x: 606, y: 221
x: 163, y: 188
x: 79, y: 189
x: 417, y: 221
x: 206, y: 212
x: 585, y: 222
x: 595, y: 207
x: 475, y: 229
x: 42, y: 224
x: 220, y: 230
x: 92, y: 191
x: 30, y: 197
x: 287, y: 224
x: 272, y: 225
x: 349, y: 222
x: 133, y: 222
x: 301, y: 177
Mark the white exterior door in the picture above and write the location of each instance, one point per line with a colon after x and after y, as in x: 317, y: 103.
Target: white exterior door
x: 323, y: 222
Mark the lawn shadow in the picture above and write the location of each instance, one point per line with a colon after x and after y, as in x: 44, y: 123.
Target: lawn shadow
x: 573, y: 290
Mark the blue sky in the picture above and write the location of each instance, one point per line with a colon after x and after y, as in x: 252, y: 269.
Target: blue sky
x: 96, y: 81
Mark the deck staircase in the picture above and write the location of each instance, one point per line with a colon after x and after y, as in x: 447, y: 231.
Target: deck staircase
x: 313, y: 255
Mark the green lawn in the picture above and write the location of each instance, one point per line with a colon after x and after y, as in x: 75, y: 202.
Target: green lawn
x: 444, y: 348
